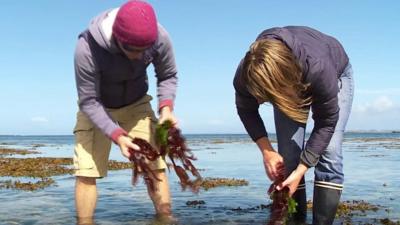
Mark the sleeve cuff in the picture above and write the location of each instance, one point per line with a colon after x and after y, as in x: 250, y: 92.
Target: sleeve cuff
x: 255, y: 138
x: 167, y: 102
x: 118, y: 132
x: 309, y: 158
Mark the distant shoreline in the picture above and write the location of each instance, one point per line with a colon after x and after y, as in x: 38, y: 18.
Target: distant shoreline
x: 198, y: 134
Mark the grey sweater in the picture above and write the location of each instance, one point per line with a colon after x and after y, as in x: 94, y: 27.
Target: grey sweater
x: 322, y: 59
x: 106, y: 78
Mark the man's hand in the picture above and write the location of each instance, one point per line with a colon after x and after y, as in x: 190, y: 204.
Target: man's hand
x: 125, y: 143
x: 294, y: 179
x: 167, y: 114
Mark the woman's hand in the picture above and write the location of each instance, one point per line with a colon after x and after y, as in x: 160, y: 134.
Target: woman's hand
x: 294, y: 179
x: 167, y: 114
x: 273, y: 164
x: 125, y: 143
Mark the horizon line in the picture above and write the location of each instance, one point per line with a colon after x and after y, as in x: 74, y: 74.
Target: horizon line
x: 218, y: 133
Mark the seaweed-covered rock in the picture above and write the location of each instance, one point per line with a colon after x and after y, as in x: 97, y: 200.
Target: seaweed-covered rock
x: 39, y: 170
x: 26, y: 186
x: 8, y: 152
x: 195, y: 203
x: 210, y: 182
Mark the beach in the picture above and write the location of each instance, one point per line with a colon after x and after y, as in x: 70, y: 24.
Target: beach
x: 371, y: 167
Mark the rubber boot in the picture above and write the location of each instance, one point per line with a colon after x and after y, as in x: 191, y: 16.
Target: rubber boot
x: 301, y: 209
x: 325, y: 203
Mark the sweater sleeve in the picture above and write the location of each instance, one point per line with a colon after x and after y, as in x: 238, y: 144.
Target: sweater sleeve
x: 325, y: 112
x: 87, y: 83
x: 166, y: 72
x: 247, y: 109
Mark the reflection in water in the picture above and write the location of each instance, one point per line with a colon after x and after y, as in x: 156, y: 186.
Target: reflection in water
x: 156, y: 220
x: 85, y: 221
x: 164, y: 220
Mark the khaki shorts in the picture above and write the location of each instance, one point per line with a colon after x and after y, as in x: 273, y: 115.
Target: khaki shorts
x: 92, y: 147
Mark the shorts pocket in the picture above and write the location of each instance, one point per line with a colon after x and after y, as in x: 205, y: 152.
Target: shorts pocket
x: 84, y: 135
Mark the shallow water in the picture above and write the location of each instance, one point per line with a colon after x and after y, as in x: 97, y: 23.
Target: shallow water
x: 372, y: 165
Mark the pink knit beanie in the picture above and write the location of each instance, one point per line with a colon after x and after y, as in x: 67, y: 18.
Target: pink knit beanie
x: 136, y: 24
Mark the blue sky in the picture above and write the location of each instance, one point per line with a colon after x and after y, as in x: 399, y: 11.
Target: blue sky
x: 37, y: 86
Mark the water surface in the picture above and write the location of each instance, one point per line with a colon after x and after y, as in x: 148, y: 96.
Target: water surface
x: 372, y: 165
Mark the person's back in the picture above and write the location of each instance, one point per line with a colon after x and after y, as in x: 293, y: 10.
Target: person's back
x: 310, y: 46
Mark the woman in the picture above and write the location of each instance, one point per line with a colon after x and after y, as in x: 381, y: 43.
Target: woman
x: 297, y: 69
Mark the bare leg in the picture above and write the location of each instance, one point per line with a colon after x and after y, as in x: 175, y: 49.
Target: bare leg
x: 161, y: 196
x: 85, y: 199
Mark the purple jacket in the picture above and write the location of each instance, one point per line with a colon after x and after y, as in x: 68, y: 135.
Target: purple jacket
x: 322, y: 59
x: 105, y: 78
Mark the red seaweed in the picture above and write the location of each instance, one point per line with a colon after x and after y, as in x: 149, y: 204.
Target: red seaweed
x: 173, y: 144
x: 282, y: 204
x: 140, y: 166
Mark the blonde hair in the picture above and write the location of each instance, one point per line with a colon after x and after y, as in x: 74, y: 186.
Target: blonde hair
x: 272, y: 74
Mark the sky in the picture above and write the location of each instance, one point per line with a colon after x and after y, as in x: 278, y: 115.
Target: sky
x: 37, y: 82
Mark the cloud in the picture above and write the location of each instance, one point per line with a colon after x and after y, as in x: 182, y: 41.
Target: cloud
x: 379, y: 105
x: 215, y: 122
x: 39, y: 119
x: 389, y: 91
x: 381, y: 113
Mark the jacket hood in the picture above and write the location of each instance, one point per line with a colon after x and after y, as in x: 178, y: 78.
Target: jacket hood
x: 101, y: 29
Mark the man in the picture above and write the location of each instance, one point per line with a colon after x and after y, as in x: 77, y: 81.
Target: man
x: 111, y: 58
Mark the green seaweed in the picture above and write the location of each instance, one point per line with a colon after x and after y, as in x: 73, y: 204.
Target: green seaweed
x: 291, y: 206
x: 162, y: 133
